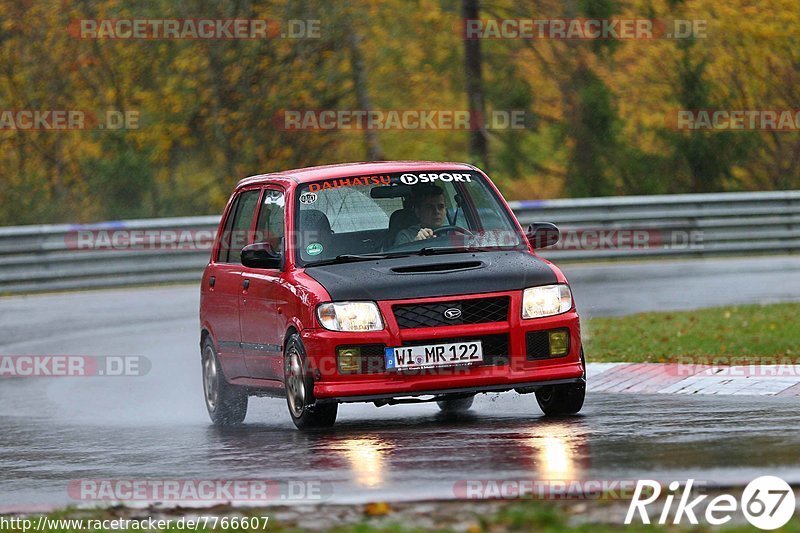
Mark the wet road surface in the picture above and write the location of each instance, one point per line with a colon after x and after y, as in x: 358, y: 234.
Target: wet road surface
x: 56, y: 430
x: 409, y: 452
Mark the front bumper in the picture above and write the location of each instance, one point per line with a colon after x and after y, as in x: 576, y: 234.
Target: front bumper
x: 437, y: 394
x: 517, y: 371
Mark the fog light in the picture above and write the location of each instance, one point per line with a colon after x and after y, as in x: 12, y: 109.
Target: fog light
x: 349, y: 360
x: 559, y: 342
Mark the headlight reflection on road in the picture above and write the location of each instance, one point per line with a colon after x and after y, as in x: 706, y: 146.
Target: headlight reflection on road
x: 555, y: 458
x: 555, y: 449
x: 367, y: 457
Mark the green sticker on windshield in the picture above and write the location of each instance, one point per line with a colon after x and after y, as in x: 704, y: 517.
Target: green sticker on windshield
x: 314, y: 248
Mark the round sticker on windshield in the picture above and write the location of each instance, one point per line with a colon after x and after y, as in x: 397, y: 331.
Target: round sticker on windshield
x: 314, y: 248
x: 308, y: 198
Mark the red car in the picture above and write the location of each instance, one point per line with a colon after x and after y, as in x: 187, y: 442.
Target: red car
x: 382, y: 282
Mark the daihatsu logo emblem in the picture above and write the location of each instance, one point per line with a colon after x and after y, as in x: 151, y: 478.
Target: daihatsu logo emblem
x: 452, y: 313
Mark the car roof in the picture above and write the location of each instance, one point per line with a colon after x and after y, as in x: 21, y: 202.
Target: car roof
x: 304, y: 175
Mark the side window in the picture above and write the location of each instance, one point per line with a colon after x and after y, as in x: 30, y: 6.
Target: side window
x: 491, y: 218
x: 270, y: 225
x: 225, y: 238
x: 237, y: 229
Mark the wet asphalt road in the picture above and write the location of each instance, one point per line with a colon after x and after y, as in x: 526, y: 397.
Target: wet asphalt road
x: 155, y: 427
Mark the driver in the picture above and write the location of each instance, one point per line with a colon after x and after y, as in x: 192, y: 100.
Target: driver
x: 428, y: 202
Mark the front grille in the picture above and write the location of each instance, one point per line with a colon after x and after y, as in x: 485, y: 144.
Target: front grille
x: 473, y: 311
x: 537, y: 344
x: 495, y: 347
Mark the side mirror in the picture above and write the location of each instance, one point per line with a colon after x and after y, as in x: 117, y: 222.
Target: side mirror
x: 261, y: 255
x: 542, y: 235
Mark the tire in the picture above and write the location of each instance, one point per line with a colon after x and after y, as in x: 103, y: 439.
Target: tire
x: 300, y: 390
x: 456, y: 405
x: 226, y: 403
x: 560, y: 400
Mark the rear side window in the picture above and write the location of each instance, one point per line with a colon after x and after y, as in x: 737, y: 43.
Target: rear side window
x: 237, y: 227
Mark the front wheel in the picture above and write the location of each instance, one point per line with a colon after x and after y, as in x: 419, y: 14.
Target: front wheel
x: 226, y: 403
x: 300, y: 389
x: 567, y: 399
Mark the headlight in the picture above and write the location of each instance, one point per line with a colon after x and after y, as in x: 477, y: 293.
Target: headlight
x: 546, y: 301
x: 350, y: 316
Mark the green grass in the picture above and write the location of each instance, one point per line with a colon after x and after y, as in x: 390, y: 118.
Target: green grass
x: 749, y: 332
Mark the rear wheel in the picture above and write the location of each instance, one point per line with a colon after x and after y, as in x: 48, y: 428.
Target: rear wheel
x: 567, y: 399
x: 456, y: 405
x: 305, y: 413
x: 226, y: 403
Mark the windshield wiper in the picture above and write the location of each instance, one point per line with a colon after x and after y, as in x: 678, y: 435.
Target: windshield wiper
x: 351, y: 258
x: 432, y: 250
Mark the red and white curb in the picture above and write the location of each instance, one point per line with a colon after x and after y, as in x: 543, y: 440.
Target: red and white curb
x: 676, y: 378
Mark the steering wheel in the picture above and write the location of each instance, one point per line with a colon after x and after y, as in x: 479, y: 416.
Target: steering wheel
x: 443, y: 230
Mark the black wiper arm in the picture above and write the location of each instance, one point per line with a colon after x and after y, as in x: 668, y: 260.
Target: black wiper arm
x: 379, y: 255
x: 359, y: 257
x: 350, y: 258
x: 432, y: 250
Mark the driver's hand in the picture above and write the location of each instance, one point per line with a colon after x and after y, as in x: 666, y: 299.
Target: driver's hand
x: 424, y: 233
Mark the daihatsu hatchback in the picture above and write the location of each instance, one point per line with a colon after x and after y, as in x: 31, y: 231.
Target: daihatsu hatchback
x: 386, y: 282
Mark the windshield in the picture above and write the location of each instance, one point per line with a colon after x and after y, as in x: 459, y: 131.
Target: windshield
x: 400, y: 214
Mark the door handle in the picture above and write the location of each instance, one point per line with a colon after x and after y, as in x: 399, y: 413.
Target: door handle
x: 246, y: 284
x: 212, y: 281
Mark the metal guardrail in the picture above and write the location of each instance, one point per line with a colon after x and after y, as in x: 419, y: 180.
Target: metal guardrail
x: 712, y: 224
x: 45, y: 258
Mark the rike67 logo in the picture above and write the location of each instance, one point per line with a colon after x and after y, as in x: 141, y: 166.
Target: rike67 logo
x: 767, y: 502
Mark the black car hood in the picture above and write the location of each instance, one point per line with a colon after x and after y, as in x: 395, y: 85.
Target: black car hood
x: 433, y: 275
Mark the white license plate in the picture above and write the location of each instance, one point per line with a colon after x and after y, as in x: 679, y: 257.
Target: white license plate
x: 434, y: 355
